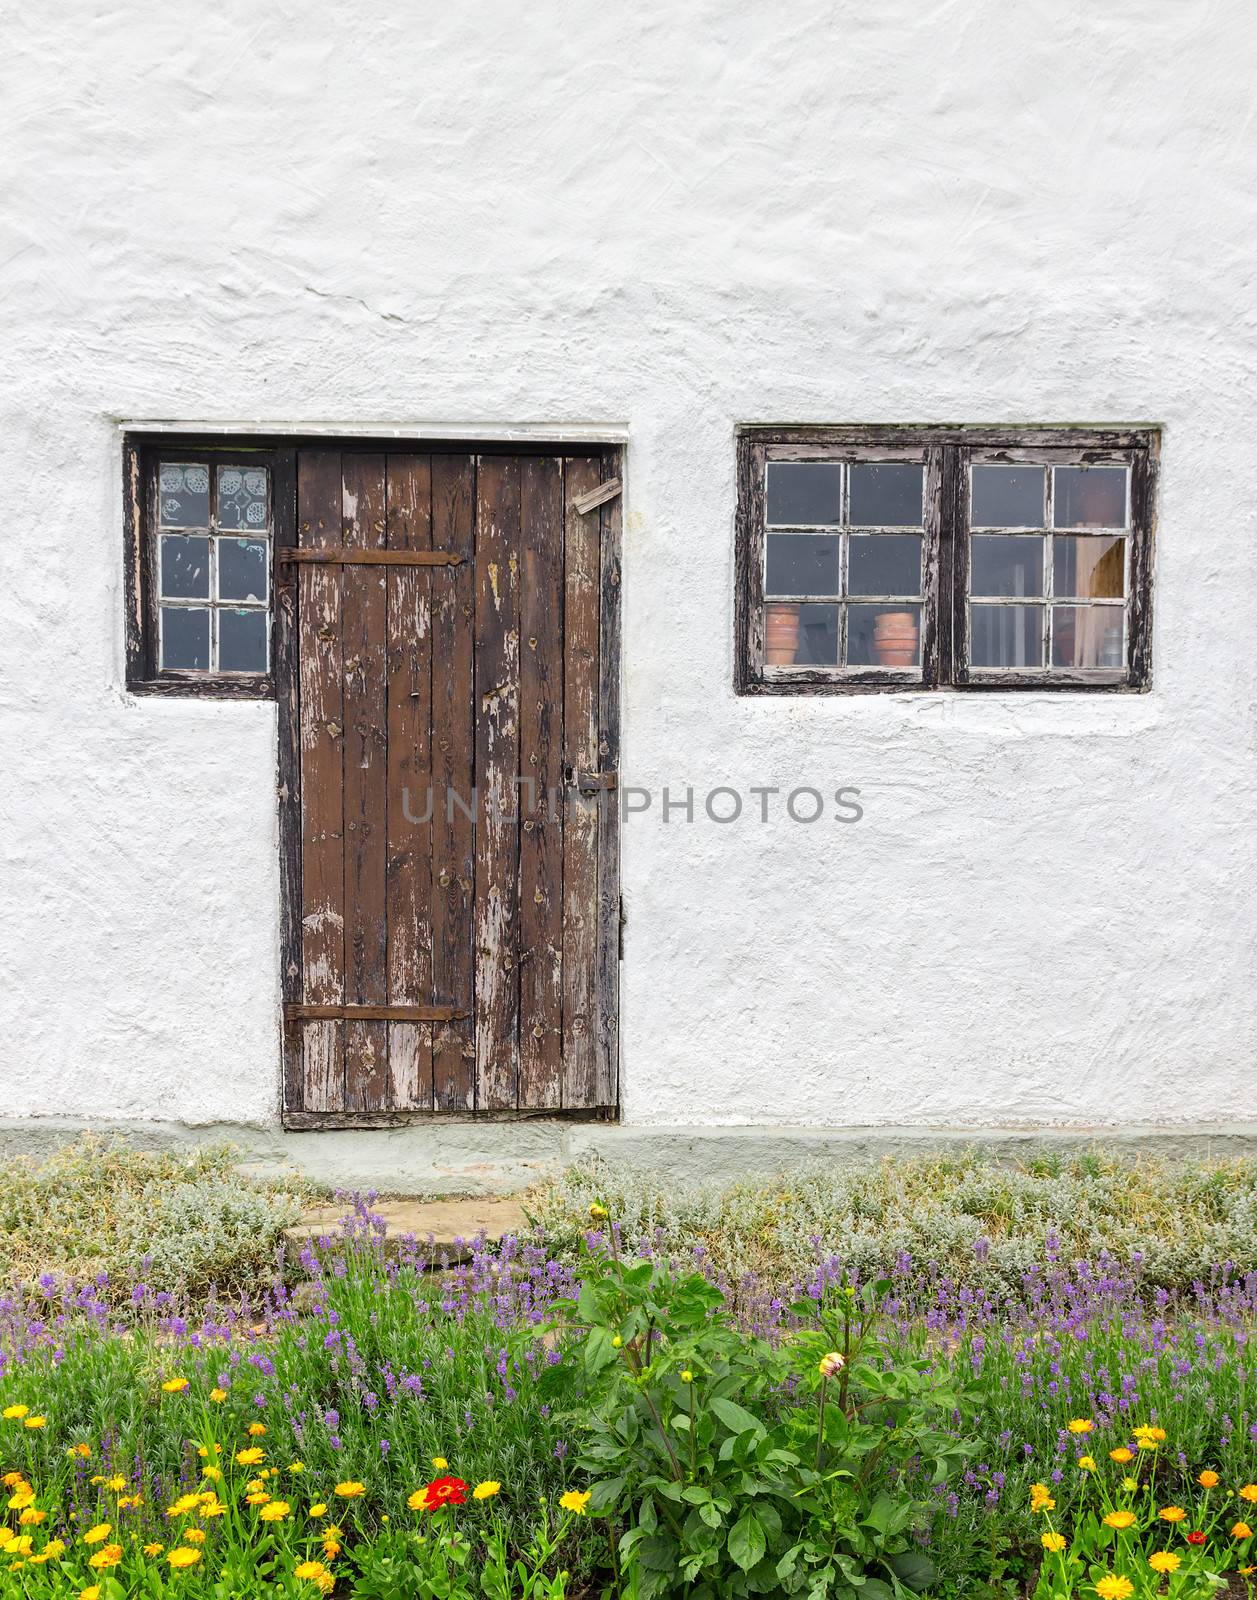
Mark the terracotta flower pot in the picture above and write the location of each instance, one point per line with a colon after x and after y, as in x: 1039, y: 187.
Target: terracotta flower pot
x: 895, y: 638
x: 781, y: 636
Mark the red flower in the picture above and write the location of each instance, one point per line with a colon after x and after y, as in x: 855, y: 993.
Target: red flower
x: 447, y: 1491
x: 1195, y: 1538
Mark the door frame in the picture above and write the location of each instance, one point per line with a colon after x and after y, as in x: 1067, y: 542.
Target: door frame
x: 286, y: 667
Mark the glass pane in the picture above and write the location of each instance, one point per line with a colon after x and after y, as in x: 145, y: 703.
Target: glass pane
x: 184, y: 567
x: 883, y: 636
x: 1088, y: 568
x: 885, y: 563
x: 1006, y: 636
x: 242, y: 497
x: 1089, y: 497
x: 242, y: 569
x: 185, y: 632
x: 1008, y: 497
x: 242, y: 641
x: 804, y: 493
x: 886, y: 496
x: 797, y: 636
x: 1005, y: 564
x: 1087, y: 636
x: 183, y: 494
x: 802, y: 563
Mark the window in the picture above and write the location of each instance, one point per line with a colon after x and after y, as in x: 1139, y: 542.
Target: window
x: 952, y: 558
x: 202, y: 540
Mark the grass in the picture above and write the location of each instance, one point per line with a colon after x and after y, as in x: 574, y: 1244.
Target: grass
x: 109, y: 1214
x: 968, y: 1217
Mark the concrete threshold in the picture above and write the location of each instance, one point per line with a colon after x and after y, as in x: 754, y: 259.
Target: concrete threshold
x: 480, y: 1157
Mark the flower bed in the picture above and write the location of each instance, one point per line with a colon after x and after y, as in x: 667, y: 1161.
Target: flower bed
x: 527, y: 1425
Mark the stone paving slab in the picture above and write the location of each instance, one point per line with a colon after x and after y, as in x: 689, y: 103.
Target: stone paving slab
x: 443, y: 1227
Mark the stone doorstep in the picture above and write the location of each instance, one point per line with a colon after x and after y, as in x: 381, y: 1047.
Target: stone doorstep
x: 435, y: 1224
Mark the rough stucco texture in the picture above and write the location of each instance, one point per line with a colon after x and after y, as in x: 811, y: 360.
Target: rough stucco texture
x: 678, y: 218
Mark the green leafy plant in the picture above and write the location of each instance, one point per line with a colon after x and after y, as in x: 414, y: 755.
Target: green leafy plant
x: 735, y: 1467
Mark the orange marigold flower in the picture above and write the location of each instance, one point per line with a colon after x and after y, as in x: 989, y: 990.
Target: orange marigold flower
x: 182, y: 1556
x: 174, y: 1385
x: 100, y: 1532
x: 1249, y: 1493
x: 350, y: 1490
x: 252, y: 1457
x: 1121, y: 1454
x: 1165, y: 1561
x: 255, y: 1430
x: 309, y: 1571
x: 1120, y: 1519
x: 1241, y: 1530
x: 1172, y: 1514
x: 1208, y: 1480
x: 108, y: 1556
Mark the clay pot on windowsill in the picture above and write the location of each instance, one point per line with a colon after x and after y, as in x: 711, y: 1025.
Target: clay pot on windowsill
x: 781, y: 636
x: 895, y: 639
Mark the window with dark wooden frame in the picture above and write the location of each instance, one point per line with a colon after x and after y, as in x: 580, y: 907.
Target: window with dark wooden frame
x: 203, y: 523
x: 897, y: 558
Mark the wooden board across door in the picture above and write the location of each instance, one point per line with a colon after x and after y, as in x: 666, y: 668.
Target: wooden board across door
x: 449, y: 722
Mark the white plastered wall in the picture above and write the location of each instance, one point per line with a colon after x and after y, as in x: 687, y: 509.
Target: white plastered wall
x: 677, y: 217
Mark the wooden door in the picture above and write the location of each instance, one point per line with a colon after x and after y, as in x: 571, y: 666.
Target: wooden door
x: 449, y: 738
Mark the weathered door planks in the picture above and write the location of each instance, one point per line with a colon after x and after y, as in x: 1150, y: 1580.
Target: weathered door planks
x: 476, y: 957
x: 408, y: 872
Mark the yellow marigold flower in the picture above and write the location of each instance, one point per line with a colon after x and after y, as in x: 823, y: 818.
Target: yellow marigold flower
x: 1122, y: 1454
x: 1241, y: 1530
x: 1087, y: 1463
x: 175, y: 1385
x: 79, y: 1450
x: 1130, y: 1485
x: 92, y: 1592
x: 255, y: 1430
x: 276, y: 1511
x: 21, y: 1498
x: 54, y: 1549
x: 254, y: 1484
x: 1146, y: 1442
x: 35, y: 1422
x: 331, y: 1531
x: 182, y: 1556
x: 19, y: 1545
x: 318, y: 1510
x: 214, y: 1474
x: 1208, y: 1480
x: 115, y: 1483
x: 154, y: 1549
x: 296, y: 1466
x: 350, y: 1490
x: 194, y: 1535
x: 13, y: 1413
x: 331, y: 1548
x: 218, y: 1396
x: 259, y: 1497
x: 1247, y: 1572
x: 1081, y: 1425
x: 31, y: 1517
x: 439, y: 1464
x: 1040, y: 1491
x: 1165, y: 1561
x: 107, y: 1556
x: 213, y: 1508
x: 252, y: 1457
x: 38, y: 1561
x: 486, y: 1490
x: 309, y: 1571
x: 1249, y: 1493
x: 1055, y: 1542
x: 1149, y: 1432
x: 687, y: 1376
x: 184, y: 1504
x: 575, y: 1500
x: 598, y: 1213
x: 1172, y: 1514
x: 830, y: 1365
x: 95, y: 1535
x: 1120, y: 1519
x: 1115, y: 1587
